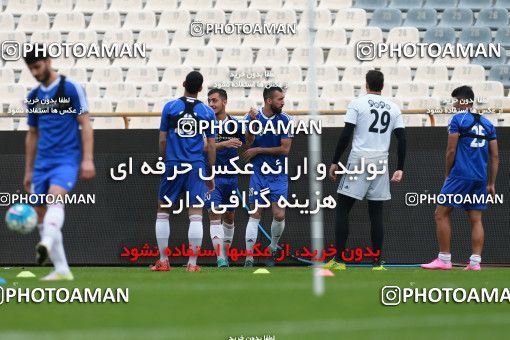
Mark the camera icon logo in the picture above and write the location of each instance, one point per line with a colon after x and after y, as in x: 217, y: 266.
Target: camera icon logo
x: 412, y: 199
x: 196, y: 29
x: 365, y: 50
x: 5, y: 199
x: 11, y: 50
x: 187, y: 127
x: 390, y: 295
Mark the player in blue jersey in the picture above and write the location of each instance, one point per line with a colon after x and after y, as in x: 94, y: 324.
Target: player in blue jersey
x: 180, y: 145
x: 272, y: 149
x: 228, y: 142
x: 471, y: 142
x: 56, y: 151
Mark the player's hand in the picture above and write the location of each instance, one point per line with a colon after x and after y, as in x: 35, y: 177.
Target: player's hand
x: 332, y: 171
x: 397, y: 176
x: 249, y: 154
x: 233, y: 143
x: 27, y: 181
x: 210, y: 185
x: 253, y: 113
x: 87, y: 170
x: 491, y: 190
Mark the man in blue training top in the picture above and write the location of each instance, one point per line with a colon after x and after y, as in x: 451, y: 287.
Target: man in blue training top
x: 228, y: 143
x: 55, y: 152
x: 270, y: 148
x: 471, y: 140
x: 180, y: 144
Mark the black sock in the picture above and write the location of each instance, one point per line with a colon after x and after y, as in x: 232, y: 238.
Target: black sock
x: 344, y: 205
x: 375, y: 211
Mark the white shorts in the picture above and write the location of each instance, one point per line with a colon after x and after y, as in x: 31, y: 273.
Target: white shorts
x: 358, y: 186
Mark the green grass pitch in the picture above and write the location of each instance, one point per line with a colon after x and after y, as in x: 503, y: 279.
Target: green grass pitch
x: 233, y: 302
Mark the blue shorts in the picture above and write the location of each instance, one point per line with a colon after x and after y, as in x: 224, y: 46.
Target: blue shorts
x: 189, y: 182
x: 461, y: 188
x: 224, y: 188
x: 277, y: 185
x: 63, y: 175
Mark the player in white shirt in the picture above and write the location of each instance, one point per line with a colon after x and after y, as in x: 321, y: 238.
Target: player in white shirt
x: 370, y: 121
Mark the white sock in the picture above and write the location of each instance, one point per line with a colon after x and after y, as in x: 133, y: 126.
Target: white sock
x: 195, y: 235
x: 251, y: 235
x: 445, y: 257
x: 228, y: 236
x: 52, y: 237
x: 475, y: 260
x: 276, y: 232
x: 162, y: 234
x: 216, y: 232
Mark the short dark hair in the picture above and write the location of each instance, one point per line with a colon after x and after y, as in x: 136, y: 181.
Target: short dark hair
x: 268, y: 91
x: 38, y: 52
x: 464, y: 92
x: 375, y: 80
x: 221, y: 92
x: 193, y: 82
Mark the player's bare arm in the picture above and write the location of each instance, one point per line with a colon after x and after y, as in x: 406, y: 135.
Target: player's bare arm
x: 451, y: 148
x: 87, y: 168
x: 493, y: 168
x: 30, y: 150
x: 250, y: 138
x: 283, y: 149
x: 231, y: 143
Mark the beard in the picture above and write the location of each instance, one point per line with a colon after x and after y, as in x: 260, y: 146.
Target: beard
x: 276, y: 110
x: 44, y: 76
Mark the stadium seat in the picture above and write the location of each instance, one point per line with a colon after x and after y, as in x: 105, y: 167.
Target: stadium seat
x: 142, y: 74
x: 297, y: 91
x: 26, y: 79
x: 21, y: 6
x: 224, y: 40
x: 500, y: 73
x: 84, y: 36
x: 427, y: 103
x: 272, y: 56
x: 56, y: 6
x: 6, y: 76
x: 92, y: 90
x: 281, y: 16
x: 118, y: 36
x: 215, y: 74
x: 175, y: 75
x: 443, y: 90
x: 331, y: 37
x: 90, y: 6
x: 127, y: 62
x: 330, y: 91
x: 503, y: 37
x: 384, y: 60
x: 100, y: 105
x: 397, y: 73
x: 370, y: 4
x: 259, y: 40
x: 15, y: 65
x: 457, y: 18
x: 405, y: 5
x: 120, y: 90
x: 20, y: 37
x: 106, y: 75
x: 490, y: 61
x: 421, y: 18
x: 192, y: 5
x: 475, y: 5
x: 124, y: 6
x: 440, y: 35
x: 249, y: 16
x: 386, y: 91
x: 159, y: 6
x: 46, y: 37
x: 6, y: 124
x: 451, y: 62
x: 403, y: 35
x: 198, y: 56
x: 488, y: 89
x: 300, y: 56
x: 69, y: 21
x: 320, y: 104
x: 502, y: 4
x: 499, y: 102
x: 183, y: 39
x: 298, y: 5
x: 343, y: 56
x: 356, y: 75
x: 492, y: 17
x: 162, y: 57
x: 12, y: 92
x: 101, y: 123
x: 155, y: 90
x: 33, y: 22
x: 373, y: 34
x: 466, y: 73
x: 475, y: 35
x: 231, y: 5
x: 407, y: 90
x: 335, y: 4
x: 351, y: 18
x: 440, y: 5
x: 158, y: 106
x: 212, y: 16
x: 174, y: 20
x: 236, y: 56
x: 325, y: 74
x: 431, y: 74
x: 341, y: 103
x: 77, y: 74
x: 6, y: 22
x: 300, y: 39
x: 236, y: 92
x: 265, y: 5
x: 288, y: 74
x: 104, y: 21
x: 153, y: 38
x: 137, y: 21
x: 62, y: 61
x: 386, y: 18
x: 322, y: 18
x: 240, y: 105
x: 144, y: 122
x: 131, y: 105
